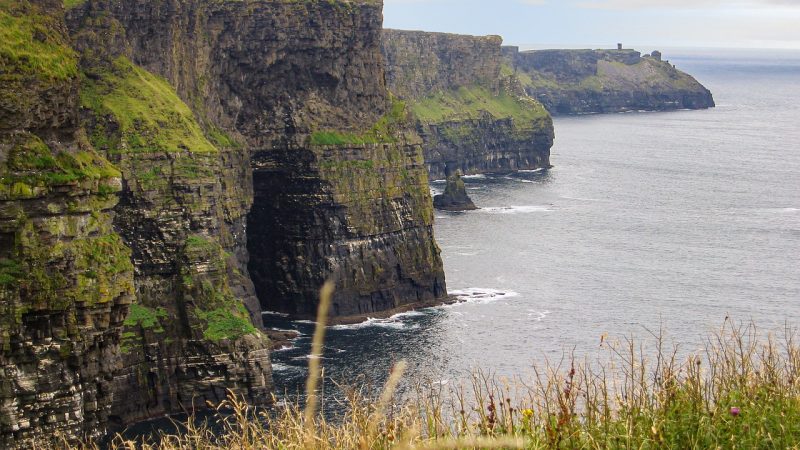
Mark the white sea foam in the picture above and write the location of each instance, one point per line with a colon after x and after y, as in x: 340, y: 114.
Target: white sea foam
x: 531, y: 171
x: 479, y: 176
x: 283, y: 330
x: 528, y: 209
x: 413, y: 313
x: 482, y: 295
x: 279, y: 367
x: 538, y: 315
x: 392, y: 323
x: 300, y: 358
x: 789, y: 210
x: 285, y: 348
x: 274, y: 313
x: 309, y: 322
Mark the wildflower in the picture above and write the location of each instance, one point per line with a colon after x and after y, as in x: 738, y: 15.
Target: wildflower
x: 527, y: 413
x: 735, y: 411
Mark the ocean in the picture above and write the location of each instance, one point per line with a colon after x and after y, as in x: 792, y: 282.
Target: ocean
x: 648, y: 222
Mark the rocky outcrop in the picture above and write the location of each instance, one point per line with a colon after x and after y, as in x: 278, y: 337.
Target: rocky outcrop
x: 605, y: 81
x: 472, y: 114
x: 190, y: 336
x: 66, y: 279
x: 454, y: 197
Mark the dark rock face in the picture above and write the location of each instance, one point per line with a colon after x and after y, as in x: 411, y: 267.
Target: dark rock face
x: 443, y: 77
x: 360, y: 214
x: 455, y: 196
x: 605, y: 81
x: 124, y: 289
x: 419, y: 63
x: 485, y: 145
x: 302, y: 82
x: 192, y: 333
x: 66, y: 280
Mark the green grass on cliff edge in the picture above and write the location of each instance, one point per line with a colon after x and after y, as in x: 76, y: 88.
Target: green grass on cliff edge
x: 69, y: 4
x: 472, y: 102
x: 151, y: 116
x: 381, y: 132
x: 32, y: 45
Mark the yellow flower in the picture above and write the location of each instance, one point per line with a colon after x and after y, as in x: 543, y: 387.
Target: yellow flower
x: 527, y: 413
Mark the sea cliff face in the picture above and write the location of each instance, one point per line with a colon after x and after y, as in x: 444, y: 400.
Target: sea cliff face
x: 66, y: 278
x: 472, y: 114
x: 605, y: 81
x: 290, y: 96
x: 162, y: 157
x: 192, y: 333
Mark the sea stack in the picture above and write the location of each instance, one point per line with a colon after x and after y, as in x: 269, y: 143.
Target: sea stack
x: 455, y: 196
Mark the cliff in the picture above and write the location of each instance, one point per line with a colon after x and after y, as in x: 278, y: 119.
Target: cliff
x: 290, y: 96
x: 604, y: 81
x: 471, y: 116
x: 66, y: 280
x: 158, y: 161
x: 340, y: 189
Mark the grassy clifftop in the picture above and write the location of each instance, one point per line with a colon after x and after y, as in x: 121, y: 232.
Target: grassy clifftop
x: 466, y: 103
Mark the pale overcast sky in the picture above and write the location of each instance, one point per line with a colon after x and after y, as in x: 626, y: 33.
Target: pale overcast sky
x: 603, y: 23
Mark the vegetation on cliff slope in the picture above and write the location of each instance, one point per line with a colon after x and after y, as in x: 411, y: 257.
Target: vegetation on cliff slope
x: 32, y: 168
x: 32, y: 43
x: 647, y: 74
x: 382, y: 132
x: 140, y: 121
x: 472, y: 102
x: 148, y: 110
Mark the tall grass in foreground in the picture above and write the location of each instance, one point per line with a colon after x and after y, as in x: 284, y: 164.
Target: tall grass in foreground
x: 741, y: 391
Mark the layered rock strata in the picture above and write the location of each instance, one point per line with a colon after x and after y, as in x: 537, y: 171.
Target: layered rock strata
x: 193, y: 333
x: 340, y: 185
x: 194, y: 103
x: 472, y: 115
x: 605, y: 81
x: 66, y: 278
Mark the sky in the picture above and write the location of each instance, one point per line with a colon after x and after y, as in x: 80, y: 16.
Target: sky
x: 604, y: 23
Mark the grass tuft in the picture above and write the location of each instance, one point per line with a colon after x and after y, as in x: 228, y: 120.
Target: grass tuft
x: 467, y: 103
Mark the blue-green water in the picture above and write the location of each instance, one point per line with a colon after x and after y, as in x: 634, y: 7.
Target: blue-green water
x: 648, y: 220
